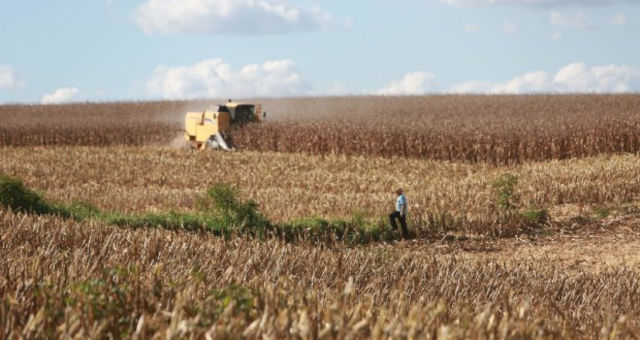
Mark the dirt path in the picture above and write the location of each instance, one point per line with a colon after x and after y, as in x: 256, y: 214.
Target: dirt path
x: 613, y: 244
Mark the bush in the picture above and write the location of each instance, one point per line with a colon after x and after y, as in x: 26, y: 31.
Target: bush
x: 222, y: 200
x: 80, y: 210
x: 223, y: 197
x: 17, y: 197
x: 359, y: 218
x: 507, y: 202
x: 535, y: 217
x: 602, y: 212
x: 240, y: 297
x: 503, y: 187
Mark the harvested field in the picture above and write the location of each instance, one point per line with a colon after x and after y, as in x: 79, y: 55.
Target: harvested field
x: 135, y: 179
x: 60, y: 279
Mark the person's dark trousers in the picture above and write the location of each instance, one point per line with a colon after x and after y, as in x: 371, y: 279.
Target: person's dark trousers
x: 403, y: 223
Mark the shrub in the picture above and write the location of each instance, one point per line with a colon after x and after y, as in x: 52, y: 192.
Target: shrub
x: 82, y: 210
x: 239, y: 296
x: 223, y: 197
x: 224, y: 203
x: 535, y: 217
x: 602, y: 212
x: 14, y: 195
x: 359, y: 218
x: 503, y: 187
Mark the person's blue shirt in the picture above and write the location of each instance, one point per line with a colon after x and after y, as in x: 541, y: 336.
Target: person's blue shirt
x: 401, y: 204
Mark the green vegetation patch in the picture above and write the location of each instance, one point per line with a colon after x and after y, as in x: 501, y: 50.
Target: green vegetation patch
x: 223, y: 213
x: 17, y: 197
x: 535, y: 217
x: 220, y: 211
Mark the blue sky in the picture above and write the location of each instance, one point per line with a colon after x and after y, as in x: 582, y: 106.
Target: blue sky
x: 72, y: 50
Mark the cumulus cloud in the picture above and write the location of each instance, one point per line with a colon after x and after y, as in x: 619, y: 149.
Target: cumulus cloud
x: 577, y: 20
x: 63, y: 95
x: 230, y: 16
x: 538, y: 2
x: 411, y: 84
x: 216, y: 78
x: 576, y: 77
x: 618, y: 20
x: 9, y: 79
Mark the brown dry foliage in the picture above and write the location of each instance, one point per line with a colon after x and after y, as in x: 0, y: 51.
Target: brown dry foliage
x: 134, y: 123
x: 289, y: 186
x: 60, y: 278
x: 494, y: 129
x: 65, y: 279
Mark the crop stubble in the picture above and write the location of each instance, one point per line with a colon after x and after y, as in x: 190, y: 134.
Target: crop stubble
x: 289, y: 186
x: 62, y: 278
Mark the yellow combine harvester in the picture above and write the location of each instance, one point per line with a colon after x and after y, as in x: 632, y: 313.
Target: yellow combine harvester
x: 212, y: 128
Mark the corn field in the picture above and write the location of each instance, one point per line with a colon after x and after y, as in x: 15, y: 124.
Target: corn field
x: 90, y: 124
x: 492, y: 129
x: 473, y: 271
x: 500, y: 146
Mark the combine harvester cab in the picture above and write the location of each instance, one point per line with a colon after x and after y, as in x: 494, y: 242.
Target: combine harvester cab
x: 211, y: 129
x: 208, y: 129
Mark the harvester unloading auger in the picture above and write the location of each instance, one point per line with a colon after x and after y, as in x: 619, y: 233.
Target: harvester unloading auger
x: 211, y: 129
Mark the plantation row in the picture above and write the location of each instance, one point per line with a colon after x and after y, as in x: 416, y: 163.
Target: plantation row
x: 356, y: 139
x: 497, y: 147
x: 114, y: 134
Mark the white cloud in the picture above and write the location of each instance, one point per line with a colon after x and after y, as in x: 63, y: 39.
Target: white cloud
x: 60, y: 96
x: 230, y: 16
x: 618, y: 20
x: 216, y: 78
x: 471, y: 28
x: 9, y: 79
x: 555, y: 36
x: 412, y: 84
x: 577, y: 20
x: 509, y: 28
x: 538, y: 2
x: 576, y: 77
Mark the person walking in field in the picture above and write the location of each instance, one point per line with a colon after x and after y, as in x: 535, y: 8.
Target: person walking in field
x: 400, y: 213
